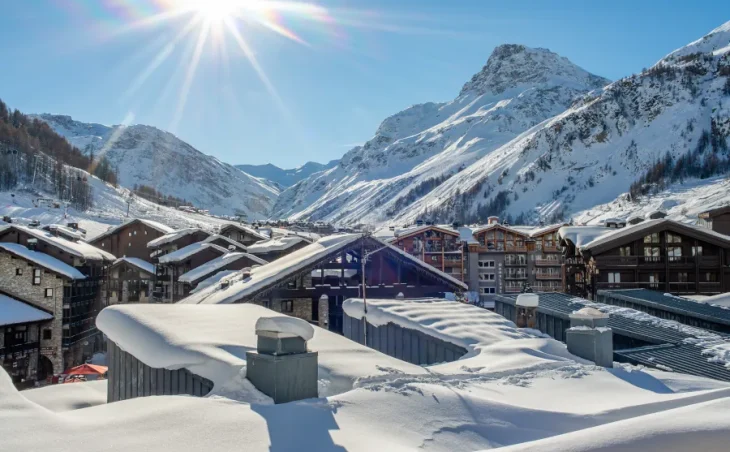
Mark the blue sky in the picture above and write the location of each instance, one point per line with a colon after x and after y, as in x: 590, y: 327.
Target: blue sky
x: 365, y: 61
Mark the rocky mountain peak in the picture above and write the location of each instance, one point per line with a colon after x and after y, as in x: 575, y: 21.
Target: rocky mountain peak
x: 512, y: 65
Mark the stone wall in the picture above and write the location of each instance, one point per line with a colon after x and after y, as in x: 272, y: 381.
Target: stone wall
x: 324, y: 312
x: 22, y: 286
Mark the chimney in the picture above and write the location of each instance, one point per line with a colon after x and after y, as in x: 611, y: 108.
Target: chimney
x: 231, y: 248
x: 589, y: 336
x: 527, y: 304
x: 493, y: 220
x: 281, y: 367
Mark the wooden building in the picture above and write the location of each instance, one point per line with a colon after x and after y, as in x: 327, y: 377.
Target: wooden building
x: 241, y: 233
x: 287, y: 285
x: 128, y: 280
x: 717, y: 219
x: 438, y: 246
x: 130, y: 238
x: 233, y: 260
x: 170, y: 267
x: 225, y: 242
x: 21, y: 327
x: 659, y: 254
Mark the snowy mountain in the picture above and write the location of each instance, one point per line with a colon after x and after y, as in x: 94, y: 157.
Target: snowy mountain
x: 506, y: 146
x: 286, y: 177
x: 424, y: 146
x: 145, y: 155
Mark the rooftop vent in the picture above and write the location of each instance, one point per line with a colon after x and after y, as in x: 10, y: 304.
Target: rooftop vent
x: 493, y: 220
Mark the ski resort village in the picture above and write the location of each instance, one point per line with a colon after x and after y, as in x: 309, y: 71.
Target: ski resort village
x: 541, y: 263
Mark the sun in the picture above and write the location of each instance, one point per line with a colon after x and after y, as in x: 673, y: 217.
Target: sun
x: 216, y: 10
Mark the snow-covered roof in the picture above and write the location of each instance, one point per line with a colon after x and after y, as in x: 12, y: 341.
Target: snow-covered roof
x: 479, y: 230
x: 137, y: 262
x: 276, y: 244
x: 581, y: 235
x: 405, y: 232
x: 190, y: 250
x: 244, y: 228
x: 172, y: 236
x: 42, y: 259
x: 216, y: 264
x: 72, y: 233
x: 14, y: 311
x: 216, y: 279
x: 465, y: 325
x: 278, y: 232
x: 212, y: 341
x: 230, y: 241
x: 152, y: 224
x: 74, y: 248
x: 261, y: 277
x: 618, y: 234
x: 539, y: 230
x: 722, y: 300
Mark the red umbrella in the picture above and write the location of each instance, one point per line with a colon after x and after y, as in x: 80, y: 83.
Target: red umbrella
x: 87, y: 369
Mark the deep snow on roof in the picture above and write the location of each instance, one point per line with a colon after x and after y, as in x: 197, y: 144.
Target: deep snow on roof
x: 43, y: 259
x: 230, y: 241
x: 582, y: 235
x: 261, y: 277
x: 216, y: 278
x: 172, y: 236
x: 13, y: 311
x: 74, y: 248
x: 276, y: 244
x: 245, y: 229
x: 462, y: 324
x: 216, y: 264
x: 190, y: 250
x: 139, y: 263
x: 152, y: 224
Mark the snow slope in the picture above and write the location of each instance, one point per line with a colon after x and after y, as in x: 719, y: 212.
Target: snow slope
x: 148, y: 156
x: 421, y: 146
x: 285, y: 177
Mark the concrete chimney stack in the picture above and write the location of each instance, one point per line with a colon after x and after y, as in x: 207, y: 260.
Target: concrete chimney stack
x: 527, y: 304
x: 589, y: 336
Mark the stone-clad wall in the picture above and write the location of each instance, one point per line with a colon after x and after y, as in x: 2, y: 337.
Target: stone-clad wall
x: 22, y: 286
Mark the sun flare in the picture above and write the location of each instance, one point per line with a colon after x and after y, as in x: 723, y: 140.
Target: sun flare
x: 216, y: 10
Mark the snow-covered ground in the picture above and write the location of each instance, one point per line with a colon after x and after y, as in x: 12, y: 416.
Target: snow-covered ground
x: 70, y: 396
x: 516, y: 388
x: 110, y: 209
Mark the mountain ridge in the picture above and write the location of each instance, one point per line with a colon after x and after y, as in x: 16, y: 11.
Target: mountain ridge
x: 285, y: 177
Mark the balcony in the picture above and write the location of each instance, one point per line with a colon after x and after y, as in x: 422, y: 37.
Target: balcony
x: 547, y: 288
x: 515, y: 263
x: 575, y: 260
x: 512, y: 289
x: 19, y: 348
x: 548, y: 263
x: 544, y: 276
x: 709, y: 261
x: 515, y: 276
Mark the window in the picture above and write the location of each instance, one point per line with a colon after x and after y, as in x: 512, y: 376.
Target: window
x: 652, y: 238
x: 49, y: 293
x: 486, y: 277
x: 673, y: 238
x: 486, y: 264
x: 434, y: 258
x: 19, y: 271
x: 697, y: 251
x: 711, y: 277
x: 145, y: 232
x: 651, y: 254
x: 135, y: 232
x: 287, y: 306
x: 130, y: 233
x: 674, y: 253
x: 488, y: 290
x: 614, y: 277
x: 36, y: 276
x: 625, y: 251
x: 682, y: 277
x: 654, y: 280
x: 129, y: 244
x: 47, y: 334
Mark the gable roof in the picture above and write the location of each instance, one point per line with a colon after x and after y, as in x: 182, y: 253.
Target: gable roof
x: 75, y: 248
x: 404, y: 233
x: 501, y: 226
x: 14, y: 311
x: 114, y: 229
x: 276, y: 244
x: 50, y: 263
x: 188, y: 251
x: 711, y: 213
x: 211, y: 267
x: 271, y: 274
x: 620, y: 236
x: 243, y: 228
x: 228, y: 240
x: 136, y: 262
x: 172, y: 236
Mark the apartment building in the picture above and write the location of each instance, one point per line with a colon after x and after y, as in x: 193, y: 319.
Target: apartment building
x: 439, y: 246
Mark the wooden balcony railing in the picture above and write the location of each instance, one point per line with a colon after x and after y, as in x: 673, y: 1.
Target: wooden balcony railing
x: 543, y: 276
x: 548, y: 262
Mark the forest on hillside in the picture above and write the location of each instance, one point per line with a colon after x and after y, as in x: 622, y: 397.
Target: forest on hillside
x: 34, y: 157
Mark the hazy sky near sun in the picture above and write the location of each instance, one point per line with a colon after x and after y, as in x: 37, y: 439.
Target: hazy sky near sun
x: 339, y: 67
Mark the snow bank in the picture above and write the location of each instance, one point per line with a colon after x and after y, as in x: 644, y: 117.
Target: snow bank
x: 68, y: 397
x: 43, y: 259
x: 13, y: 311
x: 212, y: 341
x: 139, y: 263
